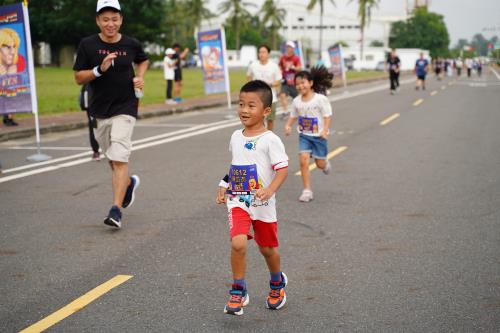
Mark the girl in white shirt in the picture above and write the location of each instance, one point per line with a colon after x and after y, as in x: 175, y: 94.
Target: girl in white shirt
x: 313, y: 111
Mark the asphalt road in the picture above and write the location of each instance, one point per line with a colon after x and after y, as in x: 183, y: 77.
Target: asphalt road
x: 403, y: 235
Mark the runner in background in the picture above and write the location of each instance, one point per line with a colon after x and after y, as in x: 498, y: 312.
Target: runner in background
x: 421, y: 69
x: 269, y: 72
x: 289, y: 64
x: 393, y: 66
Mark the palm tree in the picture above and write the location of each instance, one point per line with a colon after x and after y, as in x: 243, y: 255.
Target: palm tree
x: 364, y: 14
x: 238, y: 15
x: 310, y: 6
x: 274, y: 15
x: 197, y: 12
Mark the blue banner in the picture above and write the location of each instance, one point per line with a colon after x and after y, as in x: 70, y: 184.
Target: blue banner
x: 212, y: 55
x: 15, y: 85
x: 336, y: 60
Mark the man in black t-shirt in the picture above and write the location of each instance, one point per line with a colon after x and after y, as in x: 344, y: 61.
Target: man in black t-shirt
x: 105, y: 62
x: 178, y: 57
x: 393, y: 65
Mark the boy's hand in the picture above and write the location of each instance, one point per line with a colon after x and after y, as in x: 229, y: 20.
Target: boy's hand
x: 324, y: 133
x: 221, y: 195
x: 264, y: 194
x: 288, y: 130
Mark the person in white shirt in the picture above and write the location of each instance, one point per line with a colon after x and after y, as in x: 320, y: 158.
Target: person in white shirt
x: 259, y: 167
x: 269, y: 72
x: 169, y: 73
x: 313, y: 111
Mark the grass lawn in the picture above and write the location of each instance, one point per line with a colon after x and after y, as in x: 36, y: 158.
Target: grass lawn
x: 58, y: 92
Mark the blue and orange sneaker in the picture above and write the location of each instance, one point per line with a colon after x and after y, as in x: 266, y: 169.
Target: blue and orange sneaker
x: 277, y: 296
x: 239, y: 299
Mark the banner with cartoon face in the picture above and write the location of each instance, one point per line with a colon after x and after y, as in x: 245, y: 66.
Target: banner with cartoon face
x: 211, y: 51
x: 15, y: 85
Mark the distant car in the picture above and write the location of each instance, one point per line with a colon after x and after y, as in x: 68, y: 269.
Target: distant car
x: 380, y: 66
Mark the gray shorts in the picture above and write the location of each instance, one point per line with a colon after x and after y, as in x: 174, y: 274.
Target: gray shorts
x: 114, y: 136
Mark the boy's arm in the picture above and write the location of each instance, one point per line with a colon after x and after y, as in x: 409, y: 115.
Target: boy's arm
x: 279, y: 179
x: 221, y: 192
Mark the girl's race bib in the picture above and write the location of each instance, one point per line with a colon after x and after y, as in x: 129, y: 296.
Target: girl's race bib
x: 308, y: 125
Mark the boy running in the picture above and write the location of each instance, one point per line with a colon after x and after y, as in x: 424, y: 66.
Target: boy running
x: 259, y: 167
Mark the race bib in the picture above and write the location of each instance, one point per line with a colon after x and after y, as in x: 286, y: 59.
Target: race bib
x: 308, y: 125
x: 243, y: 179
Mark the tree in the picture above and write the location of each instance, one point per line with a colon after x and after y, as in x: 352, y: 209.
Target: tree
x: 250, y: 32
x: 480, y: 44
x: 310, y: 6
x: 425, y: 30
x: 197, y: 12
x: 275, y: 16
x: 238, y: 16
x: 364, y: 14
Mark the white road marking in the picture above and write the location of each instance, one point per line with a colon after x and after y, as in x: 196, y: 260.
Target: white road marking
x: 162, y: 138
x: 164, y: 125
x: 496, y: 73
x: 156, y: 137
x: 139, y: 147
x: 50, y: 148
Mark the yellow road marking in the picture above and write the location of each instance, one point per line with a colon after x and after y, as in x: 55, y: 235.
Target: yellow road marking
x: 418, y: 102
x: 389, y: 119
x: 331, y: 155
x: 77, y: 304
x: 434, y: 93
x: 443, y: 87
x: 450, y: 83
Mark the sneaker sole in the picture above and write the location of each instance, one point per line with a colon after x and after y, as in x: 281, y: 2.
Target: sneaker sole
x: 285, y: 280
x: 137, y: 183
x: 112, y: 222
x: 238, y: 313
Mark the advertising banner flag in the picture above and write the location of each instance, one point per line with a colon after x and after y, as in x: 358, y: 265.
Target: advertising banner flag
x: 212, y: 51
x: 337, y: 62
x: 16, y: 81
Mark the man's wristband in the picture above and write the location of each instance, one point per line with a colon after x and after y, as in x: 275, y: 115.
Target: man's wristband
x: 97, y: 71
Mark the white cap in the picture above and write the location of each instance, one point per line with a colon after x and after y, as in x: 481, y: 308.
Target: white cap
x: 291, y: 44
x: 108, y: 3
x: 169, y: 51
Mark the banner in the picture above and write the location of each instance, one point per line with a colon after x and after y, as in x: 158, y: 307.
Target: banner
x: 15, y: 61
x: 211, y: 48
x: 337, y: 62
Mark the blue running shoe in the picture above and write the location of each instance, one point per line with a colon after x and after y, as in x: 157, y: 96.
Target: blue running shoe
x: 128, y: 200
x: 277, y: 296
x: 239, y: 299
x: 114, y: 218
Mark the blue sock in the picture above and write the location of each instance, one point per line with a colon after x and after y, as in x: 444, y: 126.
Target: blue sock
x: 276, y: 277
x: 241, y: 282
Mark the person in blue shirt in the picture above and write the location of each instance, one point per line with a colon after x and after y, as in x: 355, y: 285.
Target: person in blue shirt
x: 421, y: 69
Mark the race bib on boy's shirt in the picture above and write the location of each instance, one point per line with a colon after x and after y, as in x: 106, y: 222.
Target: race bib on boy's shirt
x: 243, y: 179
x: 308, y: 125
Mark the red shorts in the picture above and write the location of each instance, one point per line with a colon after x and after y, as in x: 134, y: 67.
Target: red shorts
x: 266, y: 233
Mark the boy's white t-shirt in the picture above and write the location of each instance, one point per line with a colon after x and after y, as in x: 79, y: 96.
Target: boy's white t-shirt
x: 269, y: 73
x: 253, y: 166
x: 311, y: 114
x: 168, y: 68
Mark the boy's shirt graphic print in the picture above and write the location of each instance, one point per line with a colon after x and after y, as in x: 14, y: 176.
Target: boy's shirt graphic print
x: 253, y: 166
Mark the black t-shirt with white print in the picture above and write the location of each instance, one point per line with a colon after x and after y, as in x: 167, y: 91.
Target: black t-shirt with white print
x: 113, y: 92
x: 394, y: 63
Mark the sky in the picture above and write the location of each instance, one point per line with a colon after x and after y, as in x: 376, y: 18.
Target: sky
x: 463, y: 18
